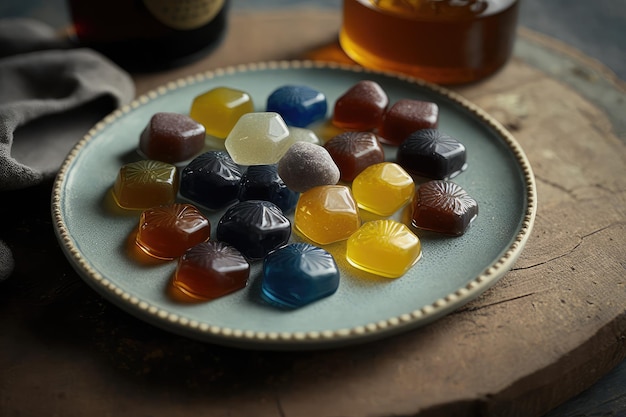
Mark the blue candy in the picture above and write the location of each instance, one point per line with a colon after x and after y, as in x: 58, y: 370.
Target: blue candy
x: 298, y: 105
x: 298, y: 274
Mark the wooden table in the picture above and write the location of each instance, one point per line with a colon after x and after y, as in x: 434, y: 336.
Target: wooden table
x: 549, y: 329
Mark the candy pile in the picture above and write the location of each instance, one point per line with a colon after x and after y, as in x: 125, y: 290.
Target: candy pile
x: 272, y: 169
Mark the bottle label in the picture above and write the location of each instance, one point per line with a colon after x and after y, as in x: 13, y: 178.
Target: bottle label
x: 184, y: 14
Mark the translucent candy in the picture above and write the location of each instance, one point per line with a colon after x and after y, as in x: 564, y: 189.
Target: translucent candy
x: 405, y: 117
x: 431, y: 154
x: 171, y: 137
x: 299, y: 105
x: 383, y: 188
x: 384, y: 247
x: 211, y: 180
x: 354, y: 151
x: 210, y: 270
x: 306, y: 165
x: 166, y: 232
x: 254, y: 227
x: 262, y: 182
x: 219, y: 109
x: 260, y: 138
x: 300, y: 134
x: 144, y: 184
x: 299, y: 274
x: 361, y: 107
x: 444, y: 207
x: 327, y: 214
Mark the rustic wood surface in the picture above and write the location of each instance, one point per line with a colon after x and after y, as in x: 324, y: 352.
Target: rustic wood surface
x: 549, y: 329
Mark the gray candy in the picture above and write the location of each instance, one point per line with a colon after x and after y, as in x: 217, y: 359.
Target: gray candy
x: 306, y: 165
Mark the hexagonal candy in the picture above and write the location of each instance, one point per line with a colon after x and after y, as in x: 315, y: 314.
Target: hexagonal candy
x: 219, y: 109
x: 144, y: 184
x: 211, y: 180
x: 383, y: 188
x: 361, y: 107
x: 299, y: 105
x: 254, y: 227
x: 444, y: 207
x: 260, y: 138
x: 407, y: 116
x: 327, y: 214
x: 262, y: 182
x: 166, y: 232
x: 354, y: 151
x: 171, y: 137
x: 384, y: 247
x: 432, y: 154
x: 210, y: 270
x: 299, y: 274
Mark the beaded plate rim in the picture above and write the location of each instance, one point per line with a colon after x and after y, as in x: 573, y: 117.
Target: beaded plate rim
x: 294, y: 340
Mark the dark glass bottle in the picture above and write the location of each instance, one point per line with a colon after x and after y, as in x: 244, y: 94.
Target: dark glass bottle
x: 145, y: 35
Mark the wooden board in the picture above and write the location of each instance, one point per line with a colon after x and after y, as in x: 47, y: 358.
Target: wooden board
x: 549, y: 329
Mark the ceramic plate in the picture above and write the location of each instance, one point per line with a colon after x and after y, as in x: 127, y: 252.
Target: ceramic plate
x: 453, y: 270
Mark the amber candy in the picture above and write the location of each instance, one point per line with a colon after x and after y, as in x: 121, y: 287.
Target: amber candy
x: 171, y: 137
x: 443, y: 207
x: 166, y: 232
x: 405, y: 117
x: 327, y: 214
x: 354, y: 151
x: 144, y: 184
x: 384, y: 247
x: 361, y: 107
x: 210, y: 270
x: 383, y: 188
x: 432, y: 154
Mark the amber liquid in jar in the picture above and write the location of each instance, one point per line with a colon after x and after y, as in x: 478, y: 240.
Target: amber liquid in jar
x: 441, y: 41
x: 145, y: 35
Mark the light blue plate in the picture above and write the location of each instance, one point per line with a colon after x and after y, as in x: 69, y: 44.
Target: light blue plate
x: 452, y: 271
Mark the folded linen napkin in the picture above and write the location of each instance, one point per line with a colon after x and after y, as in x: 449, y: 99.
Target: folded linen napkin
x: 50, y: 95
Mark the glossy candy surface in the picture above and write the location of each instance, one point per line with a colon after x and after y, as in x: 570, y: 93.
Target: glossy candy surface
x: 306, y: 165
x: 432, y: 154
x: 327, y: 214
x: 219, y: 109
x: 144, y: 184
x: 166, y: 232
x: 262, y: 182
x: 299, y: 105
x: 211, y: 180
x: 301, y: 134
x: 254, y: 227
x: 383, y: 188
x: 299, y: 274
x: 260, y: 138
x: 210, y: 270
x: 384, y: 247
x: 444, y: 207
x: 171, y: 137
x: 354, y: 151
x: 405, y: 117
x: 361, y: 107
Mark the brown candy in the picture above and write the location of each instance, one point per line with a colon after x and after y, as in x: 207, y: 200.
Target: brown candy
x: 405, y: 117
x: 171, y: 137
x: 354, y: 151
x: 361, y: 107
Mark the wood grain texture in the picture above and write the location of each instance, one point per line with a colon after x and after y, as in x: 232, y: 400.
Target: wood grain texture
x: 549, y: 329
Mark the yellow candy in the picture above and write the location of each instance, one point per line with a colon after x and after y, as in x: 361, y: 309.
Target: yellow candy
x: 144, y: 184
x: 383, y: 188
x: 219, y: 109
x: 327, y: 214
x: 384, y: 247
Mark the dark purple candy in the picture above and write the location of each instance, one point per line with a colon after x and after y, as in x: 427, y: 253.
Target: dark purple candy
x: 432, y: 154
x: 254, y: 227
x: 211, y: 180
x: 262, y: 182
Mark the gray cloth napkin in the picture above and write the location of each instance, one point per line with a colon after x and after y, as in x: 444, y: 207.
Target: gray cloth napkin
x: 50, y: 95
